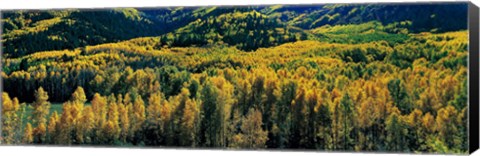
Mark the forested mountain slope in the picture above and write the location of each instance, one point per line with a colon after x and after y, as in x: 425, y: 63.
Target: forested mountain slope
x: 245, y: 30
x: 423, y: 17
x: 26, y: 32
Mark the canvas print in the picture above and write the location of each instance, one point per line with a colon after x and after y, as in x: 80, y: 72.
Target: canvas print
x: 318, y: 77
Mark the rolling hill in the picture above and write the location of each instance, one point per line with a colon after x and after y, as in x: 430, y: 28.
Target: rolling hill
x: 26, y: 32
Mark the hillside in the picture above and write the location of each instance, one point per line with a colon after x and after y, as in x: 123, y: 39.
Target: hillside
x: 26, y: 32
x: 245, y: 30
x: 423, y: 17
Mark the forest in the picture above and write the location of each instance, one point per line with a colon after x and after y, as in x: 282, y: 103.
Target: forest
x: 364, y: 77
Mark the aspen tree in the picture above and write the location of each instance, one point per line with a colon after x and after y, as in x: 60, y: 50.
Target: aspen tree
x: 28, y: 134
x: 10, y: 118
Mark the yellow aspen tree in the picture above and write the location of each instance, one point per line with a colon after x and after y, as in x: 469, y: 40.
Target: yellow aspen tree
x: 129, y: 116
x: 86, y: 125
x: 127, y: 99
x: 414, y: 117
x: 234, y: 139
x: 178, y: 105
x: 79, y: 95
x: 99, y: 108
x: 112, y: 129
x: 41, y: 108
x: 429, y: 101
x: 9, y: 118
x: 271, y: 93
x: 446, y: 125
x: 40, y: 133
x: 119, y: 99
x: 416, y: 129
x: 448, y: 89
x: 365, y: 119
x: 155, y: 111
x: 159, y: 112
x: 52, y: 127
x: 123, y: 112
x: 252, y: 135
x: 77, y: 115
x: 138, y: 117
x: 77, y: 105
x: 188, y: 123
x: 66, y: 125
x: 28, y: 134
x: 224, y: 105
x: 380, y: 108
x: 365, y: 113
x: 428, y: 122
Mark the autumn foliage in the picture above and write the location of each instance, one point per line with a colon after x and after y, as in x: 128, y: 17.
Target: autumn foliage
x: 356, y: 94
